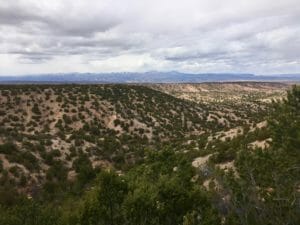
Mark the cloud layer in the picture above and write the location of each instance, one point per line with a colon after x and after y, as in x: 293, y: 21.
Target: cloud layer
x: 42, y: 36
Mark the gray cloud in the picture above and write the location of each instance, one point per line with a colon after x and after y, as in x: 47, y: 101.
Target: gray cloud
x: 15, y: 14
x: 258, y: 36
x: 66, y: 20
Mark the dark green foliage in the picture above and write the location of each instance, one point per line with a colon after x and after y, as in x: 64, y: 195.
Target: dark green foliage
x: 1, y: 166
x: 267, y: 191
x: 8, y: 148
x: 35, y: 109
x: 29, y: 213
x: 9, y: 195
x: 27, y: 159
x: 84, y: 169
x: 67, y: 119
x: 152, y: 193
x: 285, y: 123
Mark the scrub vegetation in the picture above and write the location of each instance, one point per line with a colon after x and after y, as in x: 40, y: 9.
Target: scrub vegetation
x: 133, y: 154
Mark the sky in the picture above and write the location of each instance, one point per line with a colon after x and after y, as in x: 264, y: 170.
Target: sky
x: 195, y: 36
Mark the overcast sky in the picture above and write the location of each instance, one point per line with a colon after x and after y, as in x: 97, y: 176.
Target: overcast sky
x: 197, y: 36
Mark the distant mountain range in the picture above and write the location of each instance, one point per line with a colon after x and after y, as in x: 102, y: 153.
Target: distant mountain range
x: 147, y: 77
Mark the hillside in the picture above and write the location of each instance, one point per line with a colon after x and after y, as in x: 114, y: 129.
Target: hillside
x: 149, y: 154
x: 109, y: 125
x: 226, y: 92
x: 45, y: 128
x: 227, y: 101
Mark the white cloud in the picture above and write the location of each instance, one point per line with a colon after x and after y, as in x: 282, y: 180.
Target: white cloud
x: 42, y: 36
